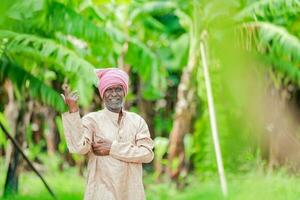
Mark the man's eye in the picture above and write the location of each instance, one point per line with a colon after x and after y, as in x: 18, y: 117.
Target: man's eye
x: 118, y: 89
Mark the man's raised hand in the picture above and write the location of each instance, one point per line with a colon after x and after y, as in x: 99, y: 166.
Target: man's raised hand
x: 70, y: 98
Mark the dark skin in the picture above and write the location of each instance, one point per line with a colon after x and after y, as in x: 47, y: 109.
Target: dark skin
x: 113, y: 100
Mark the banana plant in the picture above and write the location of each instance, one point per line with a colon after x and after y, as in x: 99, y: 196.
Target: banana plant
x: 273, y: 30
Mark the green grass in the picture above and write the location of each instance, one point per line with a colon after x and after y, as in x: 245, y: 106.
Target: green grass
x: 66, y: 185
x: 251, y: 186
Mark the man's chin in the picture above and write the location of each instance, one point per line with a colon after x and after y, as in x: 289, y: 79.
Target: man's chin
x: 115, y: 106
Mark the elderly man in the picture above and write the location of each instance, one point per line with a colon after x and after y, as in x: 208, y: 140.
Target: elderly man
x: 116, y: 141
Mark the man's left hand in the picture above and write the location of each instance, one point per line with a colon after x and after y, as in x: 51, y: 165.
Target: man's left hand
x: 102, y: 147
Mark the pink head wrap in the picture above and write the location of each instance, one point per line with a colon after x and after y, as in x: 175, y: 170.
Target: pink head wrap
x: 111, y: 76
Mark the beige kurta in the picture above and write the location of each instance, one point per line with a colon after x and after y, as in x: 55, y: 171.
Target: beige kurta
x: 117, y: 176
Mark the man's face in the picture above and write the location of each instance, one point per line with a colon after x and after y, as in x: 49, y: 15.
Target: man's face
x: 113, y: 98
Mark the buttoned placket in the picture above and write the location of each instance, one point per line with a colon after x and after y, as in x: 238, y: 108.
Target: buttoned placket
x: 112, y: 117
x: 120, y: 126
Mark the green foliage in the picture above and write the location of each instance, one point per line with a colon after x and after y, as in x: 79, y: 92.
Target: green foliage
x: 277, y: 11
x: 38, y: 90
x: 4, y: 122
x: 277, y: 37
x: 34, y: 150
x: 62, y: 146
x: 163, y: 124
x: 278, y: 40
x: 59, y: 17
x: 66, y: 20
x: 22, y: 10
x: 47, y: 50
x: 2, y: 47
x: 60, y: 58
x: 289, y: 72
x: 152, y: 8
x: 188, y: 142
x: 175, y: 164
x: 179, y: 49
x: 161, y: 147
x: 145, y: 63
x: 204, y: 158
x: 160, y: 150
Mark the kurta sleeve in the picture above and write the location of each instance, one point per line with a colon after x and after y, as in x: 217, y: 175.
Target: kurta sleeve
x: 140, y: 152
x: 78, y: 132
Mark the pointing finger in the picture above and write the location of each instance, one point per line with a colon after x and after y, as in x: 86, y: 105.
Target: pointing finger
x: 66, y: 89
x: 63, y: 97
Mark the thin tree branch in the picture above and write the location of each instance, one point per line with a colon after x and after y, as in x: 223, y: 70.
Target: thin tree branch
x: 27, y: 160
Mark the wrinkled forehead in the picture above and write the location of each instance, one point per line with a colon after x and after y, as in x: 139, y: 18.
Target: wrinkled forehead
x: 115, y: 86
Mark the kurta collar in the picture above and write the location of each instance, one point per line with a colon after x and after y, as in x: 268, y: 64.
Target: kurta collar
x: 113, y: 115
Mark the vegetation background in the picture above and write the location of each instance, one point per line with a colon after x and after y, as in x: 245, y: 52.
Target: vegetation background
x: 252, y: 50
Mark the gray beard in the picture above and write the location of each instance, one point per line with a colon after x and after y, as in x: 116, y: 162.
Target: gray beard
x: 114, y: 106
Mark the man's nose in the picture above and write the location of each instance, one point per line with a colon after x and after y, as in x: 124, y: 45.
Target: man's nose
x: 114, y: 93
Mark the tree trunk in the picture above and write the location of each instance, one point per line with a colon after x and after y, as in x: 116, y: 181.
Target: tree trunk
x: 186, y: 94
x: 147, y: 112
x: 282, y: 127
x: 11, y: 114
x: 11, y: 159
x: 184, y: 111
x: 14, y: 164
x: 12, y: 176
x: 146, y: 108
x: 50, y: 131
